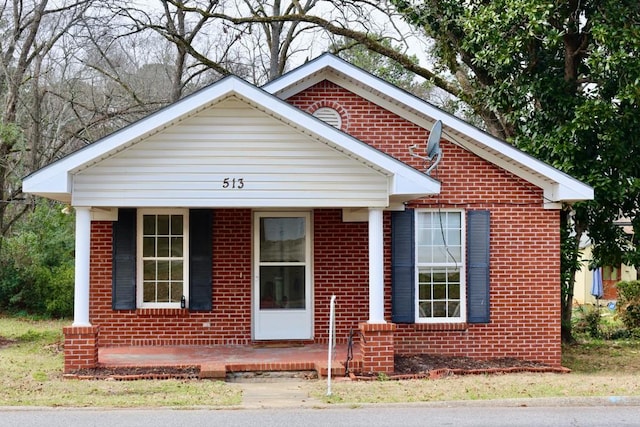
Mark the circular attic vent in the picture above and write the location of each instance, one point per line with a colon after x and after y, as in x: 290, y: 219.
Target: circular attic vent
x: 329, y: 115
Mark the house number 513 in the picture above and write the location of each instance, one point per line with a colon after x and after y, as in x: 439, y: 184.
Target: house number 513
x: 232, y: 183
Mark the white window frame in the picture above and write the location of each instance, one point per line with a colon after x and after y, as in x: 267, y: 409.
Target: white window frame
x: 460, y: 265
x: 139, y: 256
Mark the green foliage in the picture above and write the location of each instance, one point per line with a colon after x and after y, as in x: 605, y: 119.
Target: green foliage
x: 561, y: 81
x: 593, y: 323
x: 383, y: 67
x: 629, y: 304
x: 36, y: 264
x: 599, y: 323
x: 382, y: 376
x: 10, y: 134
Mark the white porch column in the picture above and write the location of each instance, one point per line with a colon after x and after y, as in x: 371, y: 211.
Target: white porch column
x: 376, y: 267
x: 83, y: 249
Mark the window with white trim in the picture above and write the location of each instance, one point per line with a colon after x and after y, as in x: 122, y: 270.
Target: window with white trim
x: 162, y: 257
x: 440, y: 249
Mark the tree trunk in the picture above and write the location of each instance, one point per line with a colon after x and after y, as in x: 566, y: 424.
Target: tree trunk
x: 572, y: 234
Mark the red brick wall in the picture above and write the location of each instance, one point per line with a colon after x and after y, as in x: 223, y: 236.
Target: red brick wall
x: 228, y: 323
x: 524, y: 260
x: 525, y: 265
x: 341, y: 268
x: 80, y: 347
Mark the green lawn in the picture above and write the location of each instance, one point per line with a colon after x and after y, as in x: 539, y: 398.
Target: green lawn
x: 31, y: 375
x: 598, y: 369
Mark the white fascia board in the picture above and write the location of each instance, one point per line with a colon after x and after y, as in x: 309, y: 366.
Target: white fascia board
x: 557, y: 185
x: 413, y: 186
x: 306, y: 76
x: 48, y: 183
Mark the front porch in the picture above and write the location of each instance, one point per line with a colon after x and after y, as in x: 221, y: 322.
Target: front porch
x: 217, y: 362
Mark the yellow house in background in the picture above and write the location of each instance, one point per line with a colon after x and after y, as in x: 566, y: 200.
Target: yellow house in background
x: 610, y: 276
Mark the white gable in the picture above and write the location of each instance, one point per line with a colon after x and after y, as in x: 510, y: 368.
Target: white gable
x: 231, y: 155
x: 176, y: 157
x: 557, y: 185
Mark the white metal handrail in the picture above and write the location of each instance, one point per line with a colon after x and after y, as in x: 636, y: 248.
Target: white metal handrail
x: 332, y: 341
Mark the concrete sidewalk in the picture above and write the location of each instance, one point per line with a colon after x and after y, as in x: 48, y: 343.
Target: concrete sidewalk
x: 287, y: 394
x: 295, y: 394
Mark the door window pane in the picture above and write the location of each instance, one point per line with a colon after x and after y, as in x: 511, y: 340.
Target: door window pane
x: 282, y: 287
x: 282, y: 240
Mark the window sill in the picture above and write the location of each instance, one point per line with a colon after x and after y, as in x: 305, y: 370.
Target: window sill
x: 440, y: 326
x: 162, y: 312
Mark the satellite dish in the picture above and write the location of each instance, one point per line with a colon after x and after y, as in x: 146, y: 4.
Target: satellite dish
x: 433, y: 143
x: 434, y: 153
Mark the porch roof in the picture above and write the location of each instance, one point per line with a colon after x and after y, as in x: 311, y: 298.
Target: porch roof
x: 401, y: 183
x: 557, y: 186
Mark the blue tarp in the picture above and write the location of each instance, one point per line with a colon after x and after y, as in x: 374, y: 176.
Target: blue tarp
x: 597, y: 290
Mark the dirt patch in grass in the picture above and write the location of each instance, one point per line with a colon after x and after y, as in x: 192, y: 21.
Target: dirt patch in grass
x: 421, y: 363
x: 137, y: 373
x: 4, y: 342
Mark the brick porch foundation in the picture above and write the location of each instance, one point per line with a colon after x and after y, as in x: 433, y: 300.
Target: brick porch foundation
x: 377, y: 347
x: 80, y: 347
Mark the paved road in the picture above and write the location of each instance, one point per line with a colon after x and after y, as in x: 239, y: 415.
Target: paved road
x: 366, y: 416
x: 288, y: 404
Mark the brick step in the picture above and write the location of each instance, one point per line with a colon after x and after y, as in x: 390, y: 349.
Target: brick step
x: 220, y: 371
x: 337, y: 369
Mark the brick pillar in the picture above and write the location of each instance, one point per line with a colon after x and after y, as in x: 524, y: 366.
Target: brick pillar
x: 377, y: 347
x: 80, y: 347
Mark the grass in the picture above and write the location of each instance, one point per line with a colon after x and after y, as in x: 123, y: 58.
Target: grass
x: 599, y: 369
x: 31, y: 375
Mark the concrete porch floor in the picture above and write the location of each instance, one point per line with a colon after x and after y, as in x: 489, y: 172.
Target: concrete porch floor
x: 218, y: 361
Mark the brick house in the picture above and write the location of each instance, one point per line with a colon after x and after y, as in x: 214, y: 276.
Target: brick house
x: 232, y: 216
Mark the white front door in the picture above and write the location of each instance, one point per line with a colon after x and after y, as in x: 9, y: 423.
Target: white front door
x: 282, y: 291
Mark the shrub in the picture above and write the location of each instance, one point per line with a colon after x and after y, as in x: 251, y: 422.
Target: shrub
x: 36, y: 263
x: 629, y: 304
x: 587, y: 320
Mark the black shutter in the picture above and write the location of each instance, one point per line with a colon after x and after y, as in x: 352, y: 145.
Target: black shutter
x: 478, y: 266
x: 200, y: 259
x: 403, y: 283
x: 123, y: 279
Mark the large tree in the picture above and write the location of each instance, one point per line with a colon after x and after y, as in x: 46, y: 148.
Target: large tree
x: 32, y: 32
x: 559, y: 80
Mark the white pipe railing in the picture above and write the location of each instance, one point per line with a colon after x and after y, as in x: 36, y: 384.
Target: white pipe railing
x: 332, y: 341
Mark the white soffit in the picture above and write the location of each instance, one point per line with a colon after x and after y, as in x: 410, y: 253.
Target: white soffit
x: 557, y: 185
